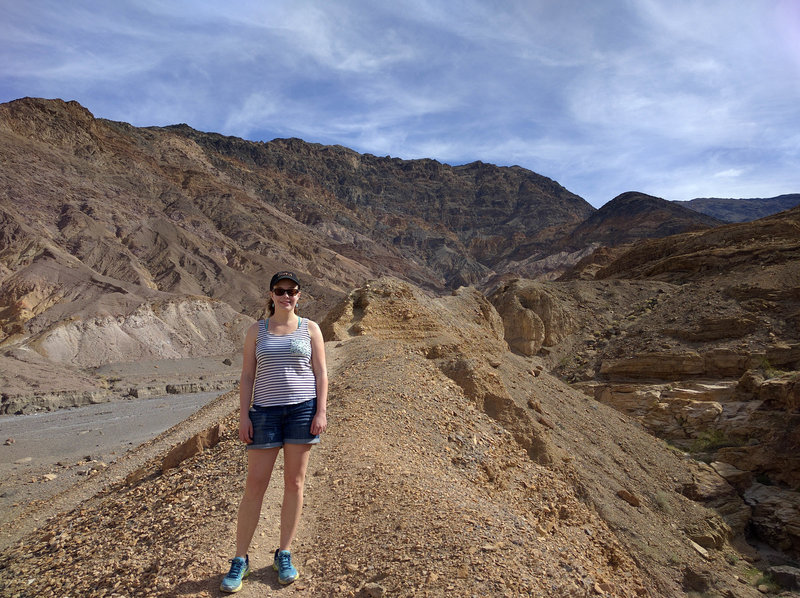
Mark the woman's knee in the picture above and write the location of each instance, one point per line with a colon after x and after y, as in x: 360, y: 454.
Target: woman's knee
x: 256, y: 485
x: 294, y: 484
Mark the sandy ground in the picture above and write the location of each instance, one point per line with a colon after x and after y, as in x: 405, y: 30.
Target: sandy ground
x: 43, y: 453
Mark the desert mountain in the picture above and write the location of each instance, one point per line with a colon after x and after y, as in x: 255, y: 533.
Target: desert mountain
x: 742, y: 210
x: 633, y: 216
x: 103, y: 220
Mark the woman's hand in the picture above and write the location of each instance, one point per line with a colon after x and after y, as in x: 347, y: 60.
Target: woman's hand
x: 245, y: 429
x: 319, y: 423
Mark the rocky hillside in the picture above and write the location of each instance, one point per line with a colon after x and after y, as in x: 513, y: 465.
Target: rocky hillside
x: 696, y: 336
x: 108, y: 233
x: 491, y: 478
x: 742, y: 210
x: 462, y: 222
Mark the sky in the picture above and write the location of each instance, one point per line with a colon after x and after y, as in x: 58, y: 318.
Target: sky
x: 674, y: 98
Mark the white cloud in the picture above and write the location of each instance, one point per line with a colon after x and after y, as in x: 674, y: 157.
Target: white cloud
x: 730, y: 173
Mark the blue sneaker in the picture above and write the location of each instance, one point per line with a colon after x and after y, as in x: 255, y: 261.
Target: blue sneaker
x: 283, y: 565
x: 240, y: 568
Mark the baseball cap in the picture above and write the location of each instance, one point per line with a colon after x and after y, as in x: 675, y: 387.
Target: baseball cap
x: 281, y: 275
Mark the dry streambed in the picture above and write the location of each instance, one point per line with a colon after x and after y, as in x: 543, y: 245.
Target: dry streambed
x: 44, y: 453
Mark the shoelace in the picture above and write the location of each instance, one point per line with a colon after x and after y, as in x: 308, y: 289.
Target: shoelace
x: 284, y: 560
x: 236, y: 568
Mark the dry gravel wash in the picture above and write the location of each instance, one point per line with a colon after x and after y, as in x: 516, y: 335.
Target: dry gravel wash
x: 43, y: 454
x: 413, y: 492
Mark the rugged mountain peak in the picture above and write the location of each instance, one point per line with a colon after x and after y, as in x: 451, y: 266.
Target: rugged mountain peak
x: 53, y: 122
x: 632, y: 216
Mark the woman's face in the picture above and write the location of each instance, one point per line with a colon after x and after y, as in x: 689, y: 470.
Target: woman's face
x: 281, y: 298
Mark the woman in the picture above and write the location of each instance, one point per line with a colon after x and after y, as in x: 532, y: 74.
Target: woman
x: 282, y: 403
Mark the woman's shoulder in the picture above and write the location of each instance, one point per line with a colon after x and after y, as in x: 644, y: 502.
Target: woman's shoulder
x: 311, y: 324
x: 255, y: 326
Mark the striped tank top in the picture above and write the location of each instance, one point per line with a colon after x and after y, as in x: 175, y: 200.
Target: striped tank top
x: 283, y: 366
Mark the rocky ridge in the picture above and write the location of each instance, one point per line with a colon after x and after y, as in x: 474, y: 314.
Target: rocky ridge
x: 742, y: 210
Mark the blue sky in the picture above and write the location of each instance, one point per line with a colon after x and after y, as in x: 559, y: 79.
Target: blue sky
x: 675, y: 98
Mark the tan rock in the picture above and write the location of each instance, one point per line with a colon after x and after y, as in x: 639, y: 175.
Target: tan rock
x: 739, y: 479
x: 658, y: 366
x: 629, y: 497
x: 714, y: 491
x: 706, y: 484
x: 719, y: 392
x: 700, y: 550
x: 781, y: 393
x: 191, y: 447
x: 630, y: 399
x: 725, y: 363
x: 533, y: 316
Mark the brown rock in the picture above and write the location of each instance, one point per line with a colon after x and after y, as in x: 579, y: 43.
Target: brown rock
x: 191, y: 447
x: 776, y: 516
x: 532, y: 316
x: 628, y: 497
x: 741, y: 480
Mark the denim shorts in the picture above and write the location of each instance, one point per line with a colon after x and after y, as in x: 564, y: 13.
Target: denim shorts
x: 283, y: 424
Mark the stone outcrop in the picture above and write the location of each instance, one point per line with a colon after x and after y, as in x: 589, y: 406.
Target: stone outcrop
x: 191, y: 447
x: 49, y: 401
x: 776, y: 516
x: 714, y: 363
x: 658, y: 366
x: 712, y: 489
x: 533, y: 316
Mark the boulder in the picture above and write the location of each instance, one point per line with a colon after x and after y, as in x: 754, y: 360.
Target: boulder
x: 776, y: 516
x: 710, y: 488
x: 739, y: 479
x: 191, y: 447
x: 781, y: 393
x: 533, y: 316
x: 630, y: 399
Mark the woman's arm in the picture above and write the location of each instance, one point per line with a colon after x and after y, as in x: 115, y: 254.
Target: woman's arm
x: 320, y: 369
x: 246, y: 384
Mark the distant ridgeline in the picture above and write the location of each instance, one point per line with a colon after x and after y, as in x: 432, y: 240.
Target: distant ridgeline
x: 742, y: 210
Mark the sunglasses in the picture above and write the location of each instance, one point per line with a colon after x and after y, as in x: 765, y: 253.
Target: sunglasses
x: 291, y: 292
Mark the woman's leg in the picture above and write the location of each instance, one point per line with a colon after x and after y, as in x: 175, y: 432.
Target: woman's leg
x: 295, y: 462
x: 260, y: 463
